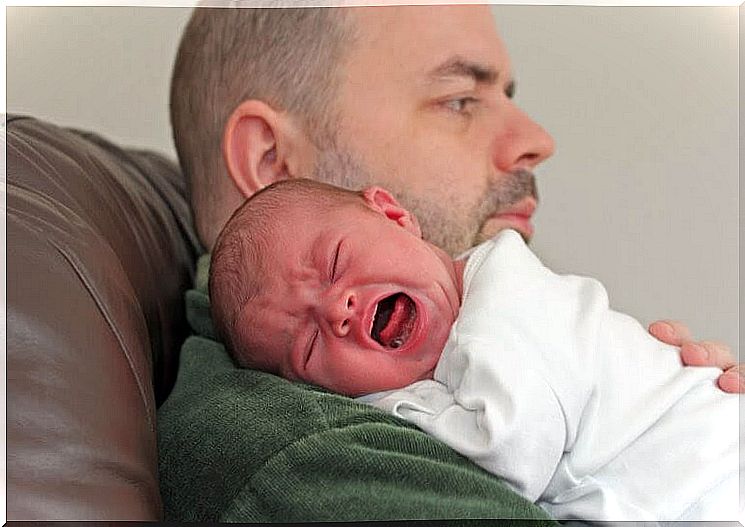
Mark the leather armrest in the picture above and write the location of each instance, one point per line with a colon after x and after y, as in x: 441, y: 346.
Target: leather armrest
x: 100, y: 249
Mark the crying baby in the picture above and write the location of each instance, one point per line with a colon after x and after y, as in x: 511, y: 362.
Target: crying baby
x: 526, y: 372
x: 332, y: 287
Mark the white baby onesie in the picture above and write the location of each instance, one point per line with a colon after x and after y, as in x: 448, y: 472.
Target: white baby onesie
x: 574, y: 405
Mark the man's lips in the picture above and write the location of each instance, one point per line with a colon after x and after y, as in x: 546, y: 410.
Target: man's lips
x: 518, y: 216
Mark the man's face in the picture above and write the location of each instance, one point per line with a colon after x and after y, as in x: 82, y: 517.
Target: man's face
x: 425, y: 107
x: 354, y: 302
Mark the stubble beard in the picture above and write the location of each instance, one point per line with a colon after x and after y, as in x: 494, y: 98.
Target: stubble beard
x: 453, y: 225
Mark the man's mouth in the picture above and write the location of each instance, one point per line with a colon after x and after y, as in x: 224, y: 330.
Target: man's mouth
x: 518, y: 216
x: 394, y: 321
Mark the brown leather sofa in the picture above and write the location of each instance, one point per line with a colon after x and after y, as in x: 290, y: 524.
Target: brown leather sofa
x: 100, y: 248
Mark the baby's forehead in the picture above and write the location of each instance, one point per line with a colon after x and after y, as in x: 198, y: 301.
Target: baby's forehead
x: 291, y: 240
x: 299, y: 228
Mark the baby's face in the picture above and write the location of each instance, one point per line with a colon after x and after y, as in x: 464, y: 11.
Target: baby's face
x: 356, y: 302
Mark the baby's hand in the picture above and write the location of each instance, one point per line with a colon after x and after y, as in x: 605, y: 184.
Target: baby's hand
x: 704, y: 353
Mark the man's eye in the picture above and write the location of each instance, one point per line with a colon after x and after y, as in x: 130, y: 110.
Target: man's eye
x: 334, y: 262
x: 461, y: 104
x: 510, y: 89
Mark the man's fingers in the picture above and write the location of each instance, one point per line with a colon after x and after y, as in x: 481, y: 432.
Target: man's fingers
x: 733, y: 380
x: 704, y: 353
x: 670, y: 332
x: 707, y: 353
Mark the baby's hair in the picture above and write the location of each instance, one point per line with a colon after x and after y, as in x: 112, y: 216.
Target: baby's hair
x: 239, y: 260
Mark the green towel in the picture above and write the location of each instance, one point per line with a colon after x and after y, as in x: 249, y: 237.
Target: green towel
x: 241, y: 445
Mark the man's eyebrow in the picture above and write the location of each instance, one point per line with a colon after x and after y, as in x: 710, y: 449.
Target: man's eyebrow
x: 460, y: 67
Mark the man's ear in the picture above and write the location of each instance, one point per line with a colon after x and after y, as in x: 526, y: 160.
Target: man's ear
x: 254, y: 147
x: 380, y: 200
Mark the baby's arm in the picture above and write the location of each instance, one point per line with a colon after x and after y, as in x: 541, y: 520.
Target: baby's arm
x: 493, y: 401
x: 516, y: 432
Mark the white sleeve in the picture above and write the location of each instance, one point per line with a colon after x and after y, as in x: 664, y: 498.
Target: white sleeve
x: 509, y: 424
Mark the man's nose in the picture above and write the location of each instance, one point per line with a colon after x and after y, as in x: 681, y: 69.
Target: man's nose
x: 339, y: 310
x: 521, y: 143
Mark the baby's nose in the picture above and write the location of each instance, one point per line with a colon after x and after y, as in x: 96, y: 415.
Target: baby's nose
x: 340, y: 313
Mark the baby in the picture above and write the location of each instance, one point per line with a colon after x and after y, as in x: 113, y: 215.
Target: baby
x: 526, y: 372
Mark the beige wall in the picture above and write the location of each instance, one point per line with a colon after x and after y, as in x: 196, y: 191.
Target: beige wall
x: 102, y: 68
x: 642, y: 192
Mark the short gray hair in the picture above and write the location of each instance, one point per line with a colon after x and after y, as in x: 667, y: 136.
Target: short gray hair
x: 286, y: 57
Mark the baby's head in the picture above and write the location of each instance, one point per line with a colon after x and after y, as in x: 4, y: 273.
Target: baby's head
x: 332, y: 287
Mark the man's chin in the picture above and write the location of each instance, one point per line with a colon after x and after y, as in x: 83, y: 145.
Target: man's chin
x: 494, y: 226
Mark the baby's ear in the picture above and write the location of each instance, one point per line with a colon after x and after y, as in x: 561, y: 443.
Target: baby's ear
x: 380, y: 200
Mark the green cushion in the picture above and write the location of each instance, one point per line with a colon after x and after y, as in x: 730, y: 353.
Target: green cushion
x: 242, y: 445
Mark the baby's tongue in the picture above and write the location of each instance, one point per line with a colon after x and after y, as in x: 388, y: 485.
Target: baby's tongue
x: 397, y: 321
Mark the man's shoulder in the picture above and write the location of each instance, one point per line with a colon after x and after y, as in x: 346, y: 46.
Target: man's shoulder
x: 270, y: 448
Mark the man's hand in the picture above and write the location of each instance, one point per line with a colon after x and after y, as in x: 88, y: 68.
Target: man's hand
x: 704, y: 353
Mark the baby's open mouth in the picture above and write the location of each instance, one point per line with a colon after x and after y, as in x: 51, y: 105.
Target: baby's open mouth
x: 394, y: 320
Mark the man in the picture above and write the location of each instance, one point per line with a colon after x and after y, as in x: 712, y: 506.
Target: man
x: 417, y: 99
